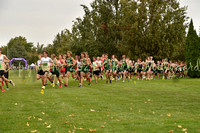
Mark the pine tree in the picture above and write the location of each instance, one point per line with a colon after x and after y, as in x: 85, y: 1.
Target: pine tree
x: 192, y: 52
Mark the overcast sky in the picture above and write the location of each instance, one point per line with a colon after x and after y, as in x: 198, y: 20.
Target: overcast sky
x: 40, y: 20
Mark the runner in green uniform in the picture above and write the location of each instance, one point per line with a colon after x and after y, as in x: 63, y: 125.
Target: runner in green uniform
x: 144, y: 70
x: 139, y: 69
x: 70, y: 67
x: 159, y: 69
x: 177, y: 70
x: 132, y: 68
x: 83, y: 66
x: 88, y: 72
x: 128, y: 71
x: 107, y: 65
x: 55, y: 70
x: 124, y: 67
x: 165, y: 69
x: 114, y: 63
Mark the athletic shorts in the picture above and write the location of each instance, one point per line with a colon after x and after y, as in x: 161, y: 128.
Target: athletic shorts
x: 144, y: 70
x: 177, y: 71
x: 40, y: 72
x: 102, y: 67
x: 85, y: 69
x: 131, y: 71
x: 6, y: 75
x: 1, y: 72
x: 139, y: 70
x: 96, y: 73
x: 70, y: 69
x: 65, y: 69
x: 79, y: 73
x: 75, y: 66
x: 62, y: 70
x: 55, y: 72
x: 46, y: 72
x: 114, y: 69
x: 159, y: 71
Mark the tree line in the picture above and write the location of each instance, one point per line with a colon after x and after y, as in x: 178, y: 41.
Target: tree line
x: 137, y: 28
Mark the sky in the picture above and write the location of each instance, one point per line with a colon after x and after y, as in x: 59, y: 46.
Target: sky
x: 40, y: 20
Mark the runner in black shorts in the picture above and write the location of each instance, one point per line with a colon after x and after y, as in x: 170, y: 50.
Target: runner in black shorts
x: 6, y: 74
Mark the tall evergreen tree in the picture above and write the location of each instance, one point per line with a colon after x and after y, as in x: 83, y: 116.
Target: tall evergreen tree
x: 192, y: 52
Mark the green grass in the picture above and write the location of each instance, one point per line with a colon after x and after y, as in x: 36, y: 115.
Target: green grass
x: 120, y: 107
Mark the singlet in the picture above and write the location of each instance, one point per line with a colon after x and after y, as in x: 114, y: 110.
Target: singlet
x: 69, y: 61
x: 95, y: 66
x: 46, y: 63
x: 2, y: 65
x: 114, y: 63
x: 106, y: 65
x: 78, y: 66
x: 38, y: 64
x: 124, y: 64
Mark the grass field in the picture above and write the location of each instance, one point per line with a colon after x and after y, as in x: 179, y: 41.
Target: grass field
x: 157, y: 106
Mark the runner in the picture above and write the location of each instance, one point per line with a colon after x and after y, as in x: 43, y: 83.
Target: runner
x: 40, y: 73
x: 139, y: 69
x: 3, y: 60
x: 55, y: 70
x: 96, y: 65
x: 88, y: 73
x: 114, y: 67
x: 46, y: 63
x: 6, y: 73
x: 70, y: 67
x: 62, y: 67
x: 124, y: 66
x: 106, y: 64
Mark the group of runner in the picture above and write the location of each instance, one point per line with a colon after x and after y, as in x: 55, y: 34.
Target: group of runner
x: 4, y: 69
x: 82, y: 68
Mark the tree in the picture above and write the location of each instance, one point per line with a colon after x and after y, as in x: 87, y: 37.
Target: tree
x: 192, y: 52
x: 40, y: 48
x: 18, y: 47
x: 136, y: 28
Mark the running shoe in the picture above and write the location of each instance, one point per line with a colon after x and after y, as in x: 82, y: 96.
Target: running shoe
x: 60, y: 85
x: 65, y: 85
x: 53, y: 85
x: 43, y: 87
x: 2, y: 90
x: 12, y: 83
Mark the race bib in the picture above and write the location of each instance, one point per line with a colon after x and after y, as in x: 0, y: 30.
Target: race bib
x: 45, y: 64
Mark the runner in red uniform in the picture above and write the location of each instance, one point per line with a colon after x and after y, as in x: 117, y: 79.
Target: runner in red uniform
x: 62, y: 68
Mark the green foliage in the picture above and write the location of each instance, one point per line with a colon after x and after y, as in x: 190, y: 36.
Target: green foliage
x: 136, y: 28
x: 192, y: 51
x: 18, y: 47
